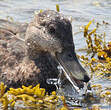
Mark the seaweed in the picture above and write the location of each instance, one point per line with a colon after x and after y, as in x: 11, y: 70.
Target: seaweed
x: 32, y: 97
x: 96, y: 46
x: 98, y: 60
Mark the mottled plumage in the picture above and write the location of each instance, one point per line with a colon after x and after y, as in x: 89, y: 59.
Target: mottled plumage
x: 30, y: 53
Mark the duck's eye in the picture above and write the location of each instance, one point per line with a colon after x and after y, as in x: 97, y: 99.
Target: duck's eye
x: 51, y: 29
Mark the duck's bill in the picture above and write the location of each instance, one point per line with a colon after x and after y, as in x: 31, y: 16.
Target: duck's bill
x: 73, y: 71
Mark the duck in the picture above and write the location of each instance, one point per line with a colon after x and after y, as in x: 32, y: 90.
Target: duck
x: 30, y: 53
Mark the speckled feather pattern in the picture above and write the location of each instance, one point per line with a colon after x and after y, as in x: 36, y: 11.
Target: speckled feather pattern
x: 16, y: 69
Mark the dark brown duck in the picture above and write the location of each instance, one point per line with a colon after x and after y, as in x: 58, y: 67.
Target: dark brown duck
x: 30, y: 53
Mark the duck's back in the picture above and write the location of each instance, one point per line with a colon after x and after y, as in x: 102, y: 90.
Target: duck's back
x: 13, y: 60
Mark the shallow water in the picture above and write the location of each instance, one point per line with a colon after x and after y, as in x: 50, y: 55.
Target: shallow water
x: 82, y: 11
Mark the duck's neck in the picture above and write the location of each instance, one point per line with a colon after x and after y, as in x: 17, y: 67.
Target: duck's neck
x: 48, y: 69
x: 46, y: 59
x: 47, y: 65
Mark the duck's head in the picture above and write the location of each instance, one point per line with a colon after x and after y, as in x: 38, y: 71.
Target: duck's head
x: 51, y: 32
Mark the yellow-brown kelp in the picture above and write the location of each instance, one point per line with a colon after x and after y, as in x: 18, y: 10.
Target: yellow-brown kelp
x: 34, y: 97
x: 96, y: 45
x: 100, y: 60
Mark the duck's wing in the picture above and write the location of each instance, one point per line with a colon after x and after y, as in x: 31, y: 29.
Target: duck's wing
x: 10, y: 38
x: 14, y: 68
x: 13, y: 28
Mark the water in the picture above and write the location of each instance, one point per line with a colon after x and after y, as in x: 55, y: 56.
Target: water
x: 82, y: 11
